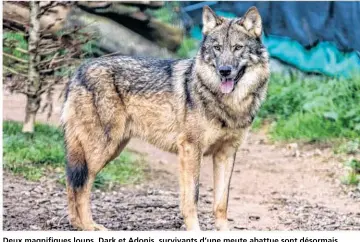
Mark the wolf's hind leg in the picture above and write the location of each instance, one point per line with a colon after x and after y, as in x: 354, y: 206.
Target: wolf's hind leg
x: 223, y: 161
x: 83, y: 206
x: 95, y: 164
x: 76, y: 176
x: 86, y: 156
x: 74, y: 217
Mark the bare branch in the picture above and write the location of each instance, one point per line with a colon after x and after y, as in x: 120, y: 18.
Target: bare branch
x: 14, y: 71
x: 22, y: 50
x: 15, y: 58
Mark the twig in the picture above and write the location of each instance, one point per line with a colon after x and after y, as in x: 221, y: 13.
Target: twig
x: 111, y: 54
x: 61, y: 219
x: 15, y: 58
x: 22, y: 50
x: 53, y: 60
x: 52, y: 69
x: 14, y: 71
x: 51, y: 51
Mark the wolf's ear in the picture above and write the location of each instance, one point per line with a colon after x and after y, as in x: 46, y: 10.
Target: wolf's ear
x: 210, y: 20
x: 252, y: 22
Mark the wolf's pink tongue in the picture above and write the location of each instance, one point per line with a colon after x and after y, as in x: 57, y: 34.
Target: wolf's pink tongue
x: 227, y: 86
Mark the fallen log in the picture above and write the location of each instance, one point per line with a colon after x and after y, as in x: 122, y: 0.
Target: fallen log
x: 134, y: 18
x: 114, y: 37
x: 52, y: 21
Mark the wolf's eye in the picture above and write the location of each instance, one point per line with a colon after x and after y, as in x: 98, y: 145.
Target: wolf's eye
x: 238, y: 47
x: 217, y: 47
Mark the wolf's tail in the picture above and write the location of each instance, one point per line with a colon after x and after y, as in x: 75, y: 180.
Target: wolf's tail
x: 76, y: 168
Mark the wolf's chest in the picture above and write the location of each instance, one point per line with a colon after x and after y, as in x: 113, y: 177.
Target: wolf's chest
x: 215, y: 135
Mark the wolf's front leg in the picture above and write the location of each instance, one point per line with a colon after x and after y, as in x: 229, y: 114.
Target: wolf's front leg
x: 190, y: 160
x: 224, y: 160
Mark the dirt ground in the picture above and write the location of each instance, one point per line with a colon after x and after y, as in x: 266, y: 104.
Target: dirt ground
x: 274, y: 187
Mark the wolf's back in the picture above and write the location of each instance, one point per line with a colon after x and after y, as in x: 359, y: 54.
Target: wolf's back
x: 115, y: 98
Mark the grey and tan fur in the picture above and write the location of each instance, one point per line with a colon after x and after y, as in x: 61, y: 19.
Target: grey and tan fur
x: 194, y: 107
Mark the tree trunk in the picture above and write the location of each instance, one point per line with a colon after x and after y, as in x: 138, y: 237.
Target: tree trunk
x: 33, y: 82
x: 32, y: 106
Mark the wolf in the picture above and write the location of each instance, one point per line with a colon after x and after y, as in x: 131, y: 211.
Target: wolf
x: 193, y: 107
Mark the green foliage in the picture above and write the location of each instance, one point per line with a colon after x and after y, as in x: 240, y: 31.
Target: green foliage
x: 353, y: 176
x: 350, y: 147
x: 126, y: 169
x: 309, y: 109
x: 33, y: 156
x: 257, y: 124
x: 166, y: 14
x: 13, y: 40
x: 13, y: 43
x: 354, y: 165
x: 187, y: 48
x: 91, y: 49
x: 45, y: 147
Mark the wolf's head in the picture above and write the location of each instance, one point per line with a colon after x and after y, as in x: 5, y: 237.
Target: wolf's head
x: 230, y: 47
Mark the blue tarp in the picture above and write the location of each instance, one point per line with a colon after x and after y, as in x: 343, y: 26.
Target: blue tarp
x: 320, y: 37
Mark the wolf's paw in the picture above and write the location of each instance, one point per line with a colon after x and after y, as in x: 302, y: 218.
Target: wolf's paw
x: 76, y: 223
x: 94, y: 227
x: 222, y: 225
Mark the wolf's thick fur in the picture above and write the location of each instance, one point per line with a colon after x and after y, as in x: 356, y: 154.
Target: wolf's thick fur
x: 182, y: 106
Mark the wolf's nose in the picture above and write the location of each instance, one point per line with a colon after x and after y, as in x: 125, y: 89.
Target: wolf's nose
x: 225, y: 70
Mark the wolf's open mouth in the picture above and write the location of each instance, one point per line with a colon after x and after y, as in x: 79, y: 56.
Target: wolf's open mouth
x: 227, y: 84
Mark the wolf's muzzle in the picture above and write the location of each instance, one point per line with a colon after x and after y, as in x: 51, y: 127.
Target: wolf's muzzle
x: 225, y: 71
